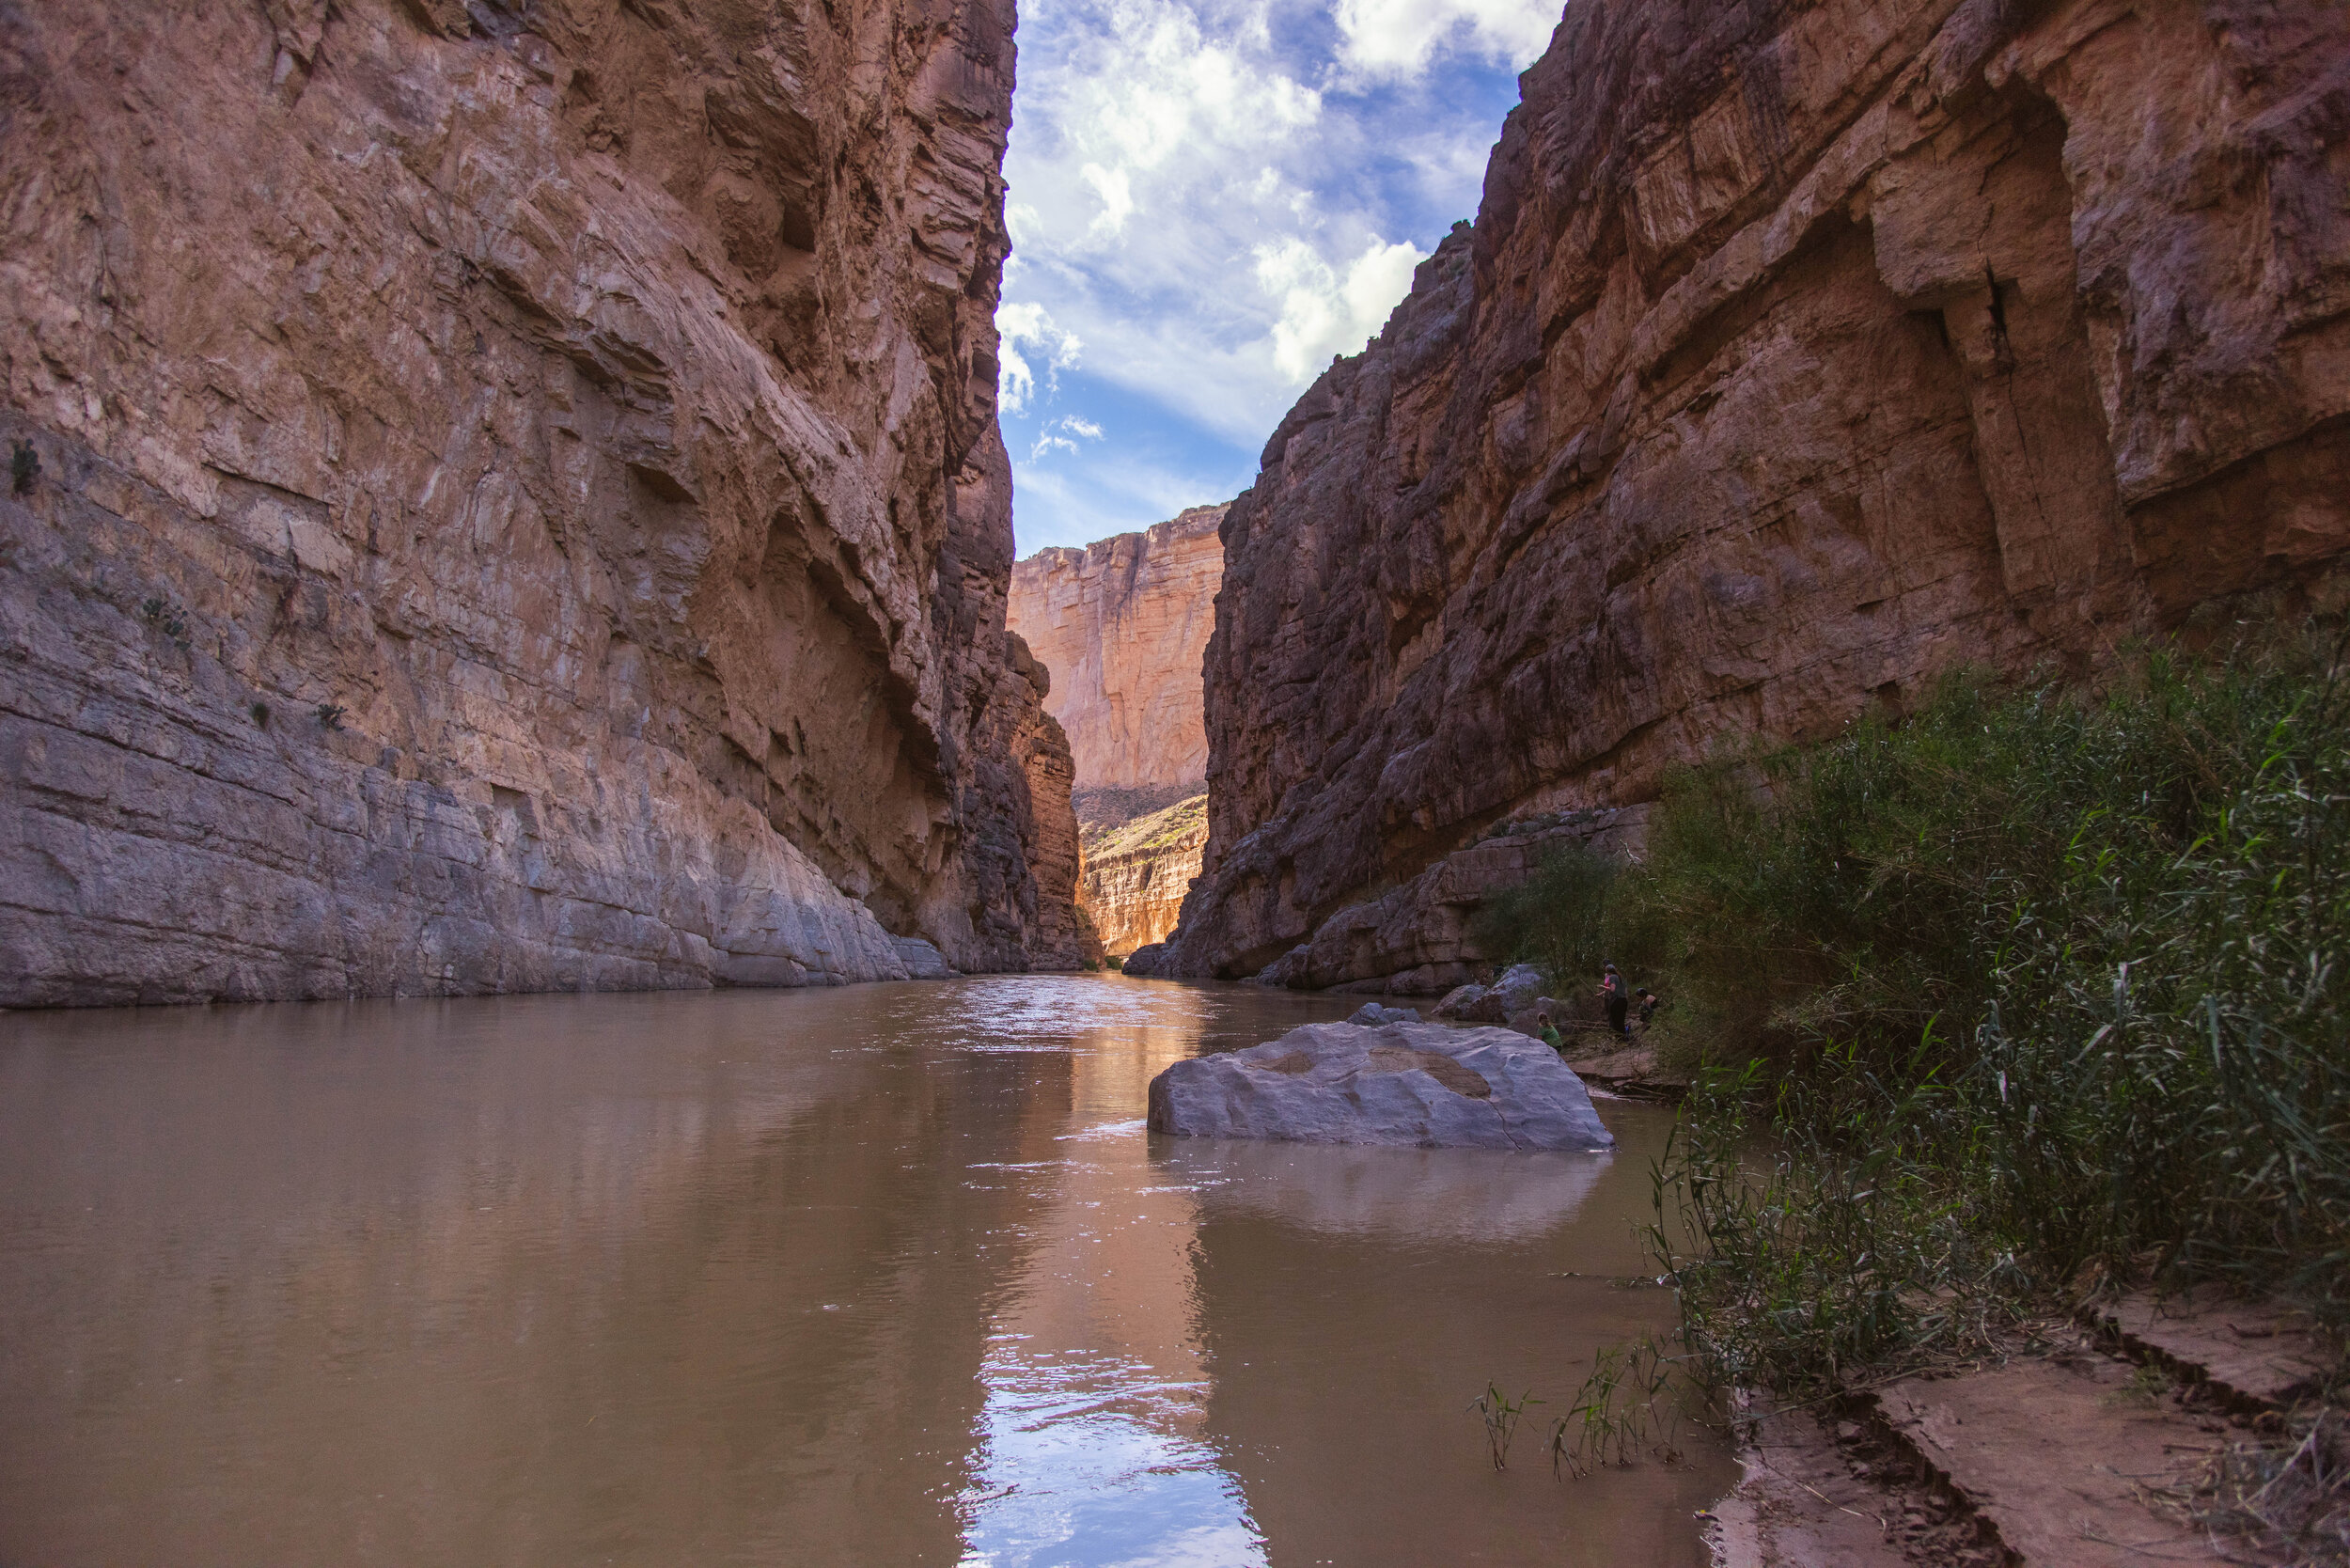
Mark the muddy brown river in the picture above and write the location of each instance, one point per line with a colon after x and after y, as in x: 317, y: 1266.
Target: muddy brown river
x: 884, y: 1275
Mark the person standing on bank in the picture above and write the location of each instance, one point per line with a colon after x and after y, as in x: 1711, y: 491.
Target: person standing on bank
x: 1611, y: 991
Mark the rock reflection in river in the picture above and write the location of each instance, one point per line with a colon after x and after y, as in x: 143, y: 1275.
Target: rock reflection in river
x: 1350, y: 1301
x: 1414, y: 1194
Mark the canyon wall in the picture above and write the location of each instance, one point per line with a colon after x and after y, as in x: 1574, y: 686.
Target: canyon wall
x: 508, y: 496
x: 1121, y: 624
x: 1137, y: 874
x: 1797, y: 353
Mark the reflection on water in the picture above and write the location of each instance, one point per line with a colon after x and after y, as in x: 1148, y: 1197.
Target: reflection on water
x: 1414, y: 1196
x: 891, y: 1273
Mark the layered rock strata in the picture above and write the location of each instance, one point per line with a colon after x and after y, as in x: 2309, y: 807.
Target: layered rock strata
x: 1121, y: 624
x: 1797, y: 353
x: 510, y: 499
x: 1136, y: 874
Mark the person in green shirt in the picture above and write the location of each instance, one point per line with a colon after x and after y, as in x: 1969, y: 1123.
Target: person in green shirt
x: 1550, y: 1036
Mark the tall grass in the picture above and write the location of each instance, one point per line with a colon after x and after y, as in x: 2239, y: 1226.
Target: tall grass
x: 2031, y: 984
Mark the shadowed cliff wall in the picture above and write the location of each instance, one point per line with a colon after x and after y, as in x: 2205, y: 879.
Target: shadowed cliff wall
x: 1797, y: 353
x: 520, y: 502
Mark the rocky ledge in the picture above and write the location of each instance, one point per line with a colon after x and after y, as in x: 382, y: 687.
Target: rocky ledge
x: 1406, y: 1084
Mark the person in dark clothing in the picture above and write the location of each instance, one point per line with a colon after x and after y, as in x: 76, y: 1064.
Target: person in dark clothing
x: 1650, y: 1002
x: 1611, y: 991
x: 1550, y: 1035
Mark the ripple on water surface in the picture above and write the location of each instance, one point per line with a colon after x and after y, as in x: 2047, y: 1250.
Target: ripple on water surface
x: 889, y: 1274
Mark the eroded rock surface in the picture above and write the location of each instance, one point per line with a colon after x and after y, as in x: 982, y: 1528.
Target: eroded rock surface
x: 1121, y: 624
x: 1797, y: 353
x: 1136, y: 874
x: 520, y: 502
x: 1408, y: 1084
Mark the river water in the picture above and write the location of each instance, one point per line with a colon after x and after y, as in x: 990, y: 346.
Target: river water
x: 891, y: 1274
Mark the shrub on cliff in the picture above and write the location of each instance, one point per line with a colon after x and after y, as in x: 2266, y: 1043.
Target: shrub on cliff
x: 2028, y: 984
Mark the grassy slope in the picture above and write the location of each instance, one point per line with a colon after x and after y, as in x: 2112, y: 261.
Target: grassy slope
x: 1186, y: 820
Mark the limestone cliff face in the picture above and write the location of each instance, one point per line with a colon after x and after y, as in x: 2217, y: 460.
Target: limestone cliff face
x: 518, y: 505
x: 1121, y: 624
x: 1796, y: 353
x: 1135, y: 875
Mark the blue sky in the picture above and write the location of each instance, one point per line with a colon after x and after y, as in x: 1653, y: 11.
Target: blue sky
x: 1209, y: 198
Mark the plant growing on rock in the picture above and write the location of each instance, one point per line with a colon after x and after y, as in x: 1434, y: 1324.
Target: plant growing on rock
x: 23, y: 467
x: 330, y: 715
x: 165, y: 617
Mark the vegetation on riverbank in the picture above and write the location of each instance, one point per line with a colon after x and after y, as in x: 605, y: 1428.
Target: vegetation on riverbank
x: 2029, y: 990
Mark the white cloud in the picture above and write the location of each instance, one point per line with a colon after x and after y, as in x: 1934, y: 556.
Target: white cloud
x: 1162, y: 147
x: 1065, y: 502
x: 1117, y: 193
x: 1213, y: 197
x: 1324, y: 312
x: 1025, y: 328
x: 1392, y: 38
x: 1059, y: 434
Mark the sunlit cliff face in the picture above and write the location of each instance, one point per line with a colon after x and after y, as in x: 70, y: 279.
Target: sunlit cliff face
x: 1121, y: 625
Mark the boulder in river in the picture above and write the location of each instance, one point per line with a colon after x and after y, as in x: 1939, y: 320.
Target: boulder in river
x: 1462, y: 1001
x: 1409, y: 1085
x: 1517, y: 989
x: 1372, y: 1014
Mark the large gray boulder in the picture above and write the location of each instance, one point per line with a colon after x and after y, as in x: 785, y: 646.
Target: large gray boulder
x: 1409, y: 1085
x: 1462, y: 1002
x: 1519, y: 988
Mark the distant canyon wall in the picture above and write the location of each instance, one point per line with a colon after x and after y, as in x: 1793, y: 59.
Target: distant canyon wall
x: 1797, y: 353
x: 508, y: 498
x: 1123, y: 625
x: 1136, y: 875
